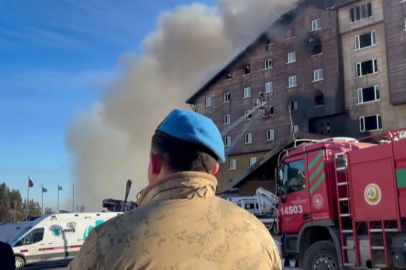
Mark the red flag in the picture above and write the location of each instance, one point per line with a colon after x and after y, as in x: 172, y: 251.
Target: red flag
x: 30, y: 183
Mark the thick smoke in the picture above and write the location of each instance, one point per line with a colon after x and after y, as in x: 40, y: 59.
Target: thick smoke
x: 111, y: 143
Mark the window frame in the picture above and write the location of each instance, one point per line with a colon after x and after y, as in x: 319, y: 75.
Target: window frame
x: 357, y: 10
x: 285, y: 174
x: 248, y: 138
x: 315, y: 105
x: 360, y: 98
x: 228, y: 94
x: 316, y: 23
x: 249, y: 116
x: 247, y: 67
x: 227, y: 119
x: 252, y: 163
x: 362, y: 127
x: 294, y: 59
x: 295, y: 106
x: 266, y: 88
x: 317, y: 71
x: 374, y: 67
x: 227, y: 141
x: 211, y: 102
x: 374, y: 41
x: 270, y: 138
x: 289, y: 81
x: 268, y: 64
x: 232, y: 166
x: 247, y: 90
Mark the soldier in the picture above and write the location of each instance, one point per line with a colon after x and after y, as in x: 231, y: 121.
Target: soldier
x: 180, y: 223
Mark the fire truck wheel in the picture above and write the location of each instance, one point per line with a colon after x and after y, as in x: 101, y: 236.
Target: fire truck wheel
x: 321, y: 255
x: 20, y: 263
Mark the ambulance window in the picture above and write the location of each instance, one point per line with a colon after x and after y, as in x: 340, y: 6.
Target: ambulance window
x: 37, y: 235
x: 294, y: 179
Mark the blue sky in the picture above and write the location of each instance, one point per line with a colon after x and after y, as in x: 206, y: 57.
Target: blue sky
x: 55, y: 58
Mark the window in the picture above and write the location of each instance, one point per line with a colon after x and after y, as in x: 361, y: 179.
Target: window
x: 233, y: 164
x: 316, y: 25
x: 229, y: 76
x: 317, y: 48
x: 270, y: 109
x: 248, y: 116
x: 368, y: 94
x: 290, y: 33
x: 247, y: 70
x: 270, y: 135
x: 318, y: 75
x: 292, y: 81
x: 365, y: 40
x: 370, y: 123
x: 361, y: 12
x: 253, y: 160
x: 318, y: 100
x: 248, y: 138
x: 32, y: 237
x: 291, y: 57
x: 227, y: 141
x: 269, y: 87
x: 405, y: 24
x: 269, y: 41
x: 247, y: 92
x: 209, y: 101
x: 268, y: 63
x: 227, y: 97
x: 295, y: 129
x: 294, y: 179
x: 367, y: 67
x: 293, y: 107
x: 227, y: 119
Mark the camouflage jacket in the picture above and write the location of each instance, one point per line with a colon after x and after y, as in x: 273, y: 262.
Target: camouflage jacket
x: 180, y: 225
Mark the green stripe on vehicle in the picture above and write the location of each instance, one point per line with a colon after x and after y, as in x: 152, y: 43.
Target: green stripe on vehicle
x: 315, y: 161
x: 316, y: 186
x: 401, y: 178
x: 316, y: 173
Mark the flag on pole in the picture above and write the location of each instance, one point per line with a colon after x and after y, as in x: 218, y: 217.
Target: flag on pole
x: 30, y: 183
x: 59, y: 188
x: 44, y: 190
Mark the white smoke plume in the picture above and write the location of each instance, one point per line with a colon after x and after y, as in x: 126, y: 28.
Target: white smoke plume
x: 111, y: 143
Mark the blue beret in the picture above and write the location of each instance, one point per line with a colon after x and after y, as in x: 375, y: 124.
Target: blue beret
x: 194, y: 128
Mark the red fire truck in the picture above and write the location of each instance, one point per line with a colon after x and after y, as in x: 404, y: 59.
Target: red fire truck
x: 342, y: 203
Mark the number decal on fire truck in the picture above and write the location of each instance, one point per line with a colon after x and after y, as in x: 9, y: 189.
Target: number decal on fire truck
x: 292, y: 210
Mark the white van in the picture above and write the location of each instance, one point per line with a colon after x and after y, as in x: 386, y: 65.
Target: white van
x: 55, y: 237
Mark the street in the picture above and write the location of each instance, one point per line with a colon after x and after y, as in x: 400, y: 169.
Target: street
x: 48, y: 266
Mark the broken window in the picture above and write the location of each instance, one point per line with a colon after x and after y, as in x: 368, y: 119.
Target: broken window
x: 269, y: 41
x: 290, y: 33
x: 370, y: 123
x: 367, y: 67
x: 248, y: 116
x: 319, y: 100
x: 229, y: 76
x: 268, y: 63
x: 365, y: 40
x: 271, y: 113
x: 247, y: 70
x: 361, y: 12
x: 368, y: 94
x: 293, y: 106
x: 317, y: 48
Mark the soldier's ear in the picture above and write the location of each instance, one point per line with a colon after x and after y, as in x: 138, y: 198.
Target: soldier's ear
x: 216, y: 169
x: 156, y: 164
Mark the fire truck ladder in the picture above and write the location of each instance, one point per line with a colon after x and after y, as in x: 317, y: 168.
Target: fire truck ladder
x: 347, y: 225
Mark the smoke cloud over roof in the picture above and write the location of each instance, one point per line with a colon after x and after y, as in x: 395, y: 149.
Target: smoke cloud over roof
x: 111, y: 143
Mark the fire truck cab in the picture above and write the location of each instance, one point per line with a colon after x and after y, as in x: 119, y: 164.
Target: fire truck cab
x: 339, y: 195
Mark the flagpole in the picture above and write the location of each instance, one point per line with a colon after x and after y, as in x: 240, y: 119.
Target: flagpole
x: 42, y: 199
x: 28, y: 197
x: 73, y: 199
x: 58, y: 199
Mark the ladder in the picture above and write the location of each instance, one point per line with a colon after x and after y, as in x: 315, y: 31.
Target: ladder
x: 347, y: 225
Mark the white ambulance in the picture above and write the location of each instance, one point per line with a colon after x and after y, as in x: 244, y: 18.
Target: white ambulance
x: 55, y: 237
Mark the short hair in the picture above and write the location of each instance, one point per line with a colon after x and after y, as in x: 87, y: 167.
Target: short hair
x: 180, y: 156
